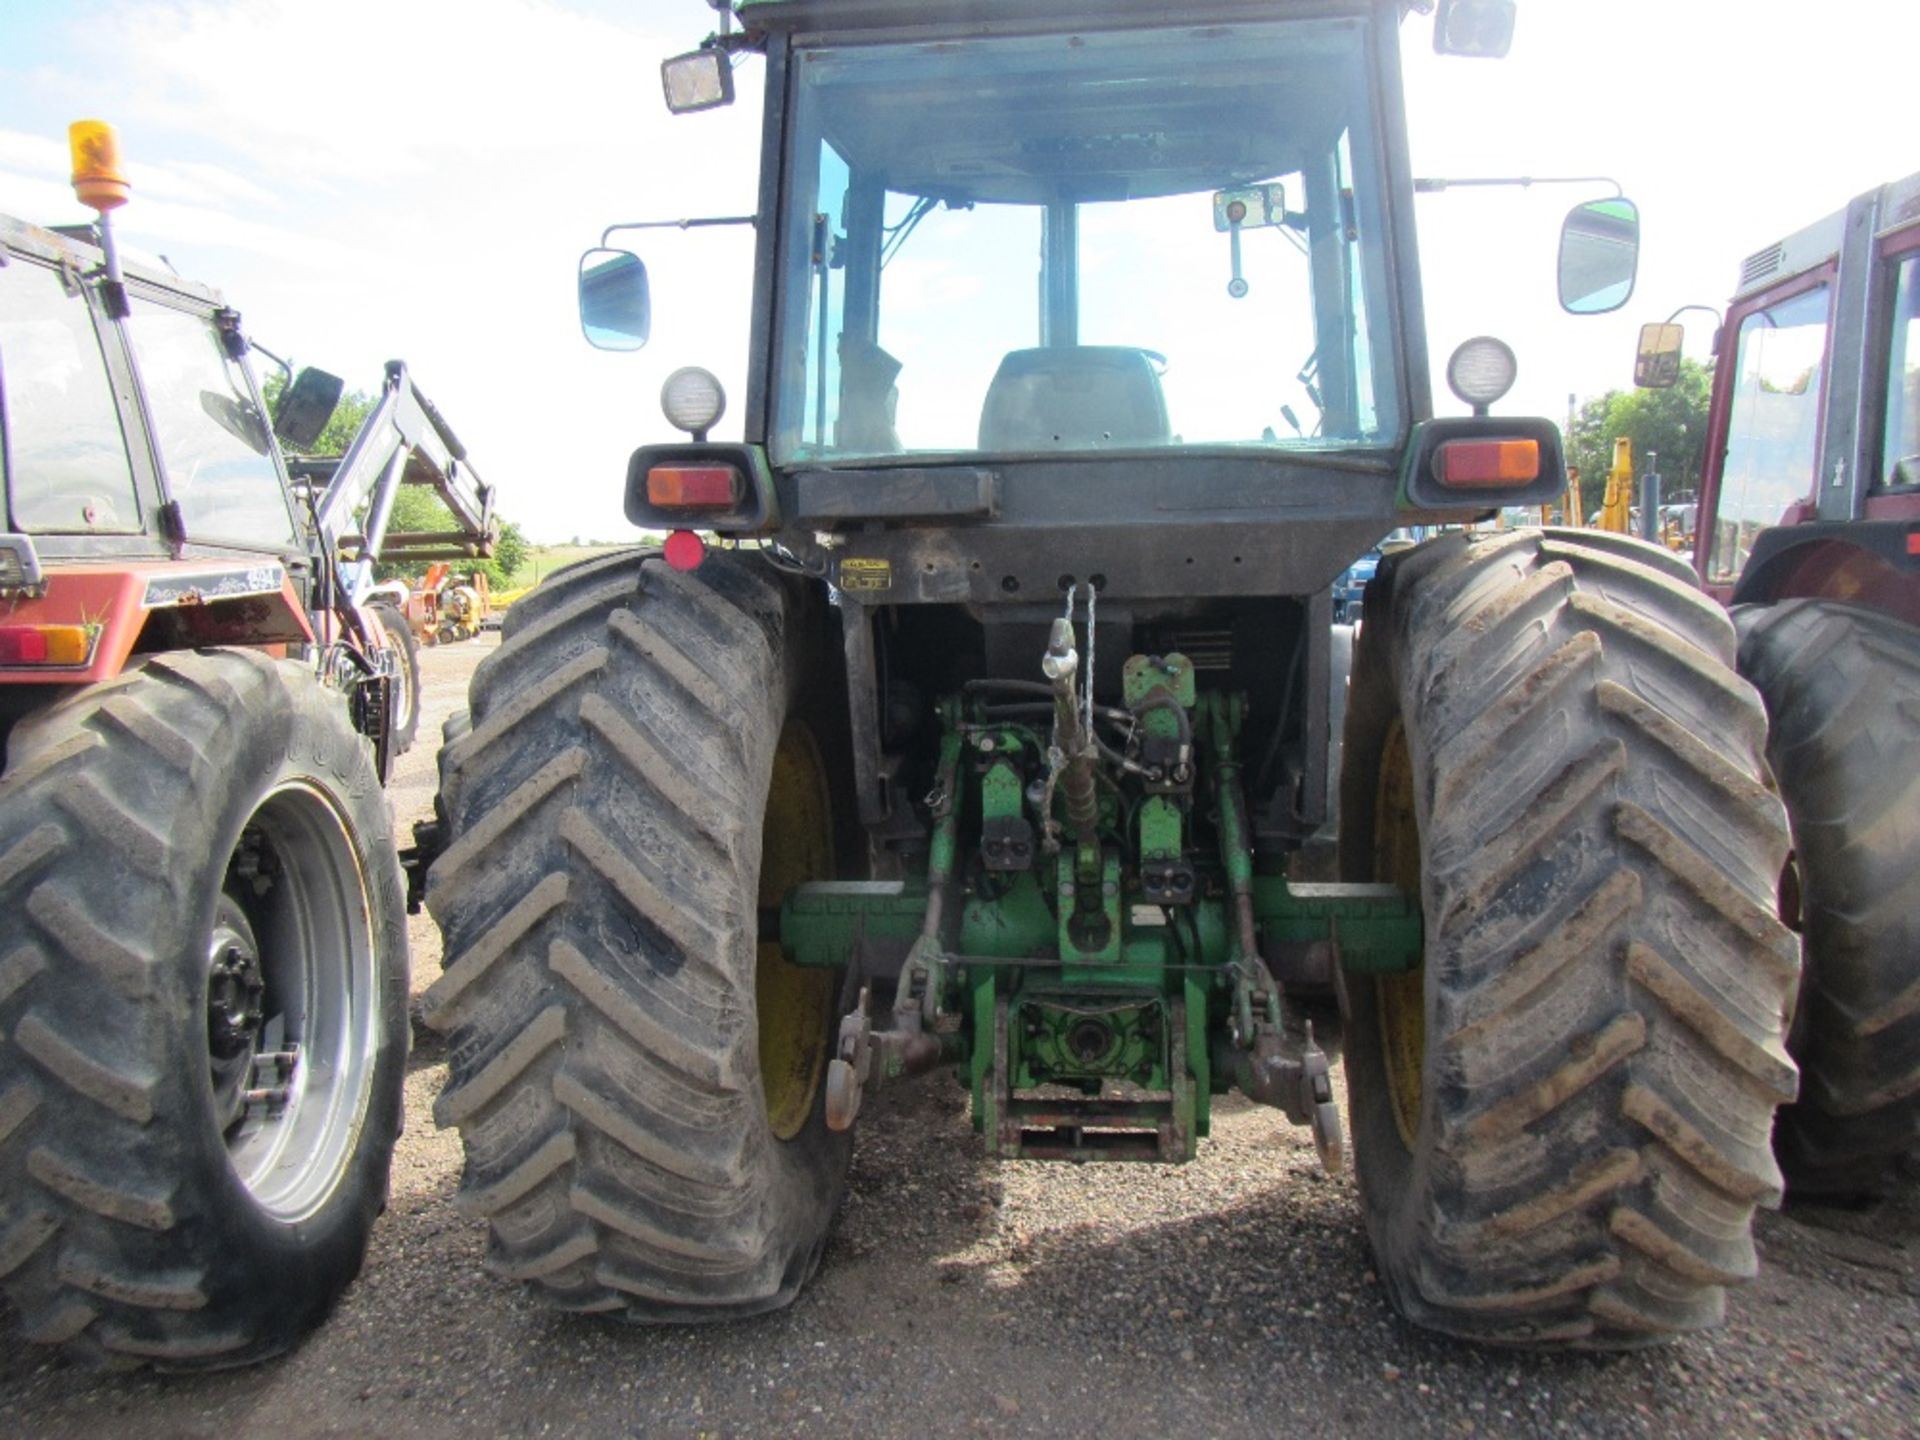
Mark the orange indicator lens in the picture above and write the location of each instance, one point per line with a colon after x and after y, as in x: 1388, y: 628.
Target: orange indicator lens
x: 44, y: 644
x: 689, y: 487
x: 1489, y: 463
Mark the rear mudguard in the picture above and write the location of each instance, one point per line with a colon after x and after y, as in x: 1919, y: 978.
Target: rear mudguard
x: 160, y: 605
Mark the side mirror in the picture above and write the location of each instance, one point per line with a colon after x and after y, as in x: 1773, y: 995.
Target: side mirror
x: 1656, y: 365
x: 306, y: 407
x: 699, y: 80
x: 1482, y: 28
x: 238, y: 418
x: 616, y: 311
x: 1599, y: 256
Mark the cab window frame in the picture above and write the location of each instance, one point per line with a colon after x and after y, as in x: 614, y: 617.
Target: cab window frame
x: 141, y: 292
x: 122, y: 406
x: 1899, y: 255
x: 1722, y: 417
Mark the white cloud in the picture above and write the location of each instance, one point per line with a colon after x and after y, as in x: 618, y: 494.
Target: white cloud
x: 198, y: 183
x: 373, y: 179
x: 377, y: 179
x: 34, y: 154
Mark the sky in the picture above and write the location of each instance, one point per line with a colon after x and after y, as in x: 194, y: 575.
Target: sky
x: 416, y: 179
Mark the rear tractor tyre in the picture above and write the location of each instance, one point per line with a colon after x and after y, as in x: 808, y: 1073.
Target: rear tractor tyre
x: 1561, y: 1120
x: 1842, y: 687
x: 406, y: 677
x: 198, y: 874
x: 636, y: 1077
x: 560, y: 587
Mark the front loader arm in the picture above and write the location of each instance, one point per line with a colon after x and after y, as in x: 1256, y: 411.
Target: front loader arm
x: 404, y: 440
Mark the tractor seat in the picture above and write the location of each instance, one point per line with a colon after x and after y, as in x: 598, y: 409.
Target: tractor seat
x: 1075, y: 398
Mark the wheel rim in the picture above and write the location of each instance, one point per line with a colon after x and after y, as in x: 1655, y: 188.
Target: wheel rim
x: 296, y: 907
x: 236, y: 995
x: 404, y: 698
x: 1402, y: 999
x: 794, y: 1004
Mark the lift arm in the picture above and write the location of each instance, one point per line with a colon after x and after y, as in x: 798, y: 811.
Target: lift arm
x: 404, y: 441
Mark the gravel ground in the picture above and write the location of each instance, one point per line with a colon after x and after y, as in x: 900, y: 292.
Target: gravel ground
x: 1229, y: 1297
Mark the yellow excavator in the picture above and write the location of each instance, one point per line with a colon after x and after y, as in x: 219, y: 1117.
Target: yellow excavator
x: 1616, y: 507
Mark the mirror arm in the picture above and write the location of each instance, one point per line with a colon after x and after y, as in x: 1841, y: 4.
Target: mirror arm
x: 1717, y: 321
x: 1433, y: 184
x: 286, y: 367
x: 693, y: 224
x: 727, y: 38
x: 1719, y: 324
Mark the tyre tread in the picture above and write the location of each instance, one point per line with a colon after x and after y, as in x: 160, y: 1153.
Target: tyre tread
x: 1842, y: 687
x: 1600, y: 1109
x: 105, y: 1247
x: 602, y: 806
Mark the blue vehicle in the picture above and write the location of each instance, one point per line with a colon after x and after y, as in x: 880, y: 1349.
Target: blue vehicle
x: 1352, y: 584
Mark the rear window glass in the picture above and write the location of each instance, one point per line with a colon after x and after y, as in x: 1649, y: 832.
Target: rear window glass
x: 64, y: 454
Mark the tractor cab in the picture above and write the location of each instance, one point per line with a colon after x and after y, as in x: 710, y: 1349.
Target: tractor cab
x: 1159, y: 260
x: 142, y: 481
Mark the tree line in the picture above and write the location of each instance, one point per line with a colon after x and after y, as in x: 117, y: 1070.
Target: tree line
x: 1671, y: 423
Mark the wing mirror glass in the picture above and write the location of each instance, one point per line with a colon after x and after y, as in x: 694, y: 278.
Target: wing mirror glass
x: 1599, y: 256
x: 616, y: 310
x: 699, y: 80
x: 1482, y: 28
x: 1656, y: 365
x: 305, y: 409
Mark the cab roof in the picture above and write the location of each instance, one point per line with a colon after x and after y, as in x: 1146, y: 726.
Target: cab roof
x: 62, y: 246
x: 1007, y: 16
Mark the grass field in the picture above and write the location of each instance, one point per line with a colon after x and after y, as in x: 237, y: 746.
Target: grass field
x: 543, y: 560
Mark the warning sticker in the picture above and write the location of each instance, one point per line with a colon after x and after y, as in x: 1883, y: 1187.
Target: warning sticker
x: 859, y: 574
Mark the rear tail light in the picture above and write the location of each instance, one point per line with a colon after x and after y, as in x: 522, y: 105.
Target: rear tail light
x: 694, y: 487
x: 45, y: 644
x: 1493, y: 464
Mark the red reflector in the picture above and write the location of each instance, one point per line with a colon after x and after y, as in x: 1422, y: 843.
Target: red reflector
x: 1913, y: 542
x: 1492, y: 463
x: 693, y: 486
x: 685, y: 550
x: 22, y: 645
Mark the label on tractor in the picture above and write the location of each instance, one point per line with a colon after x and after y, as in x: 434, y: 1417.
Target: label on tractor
x: 199, y: 587
x: 859, y: 574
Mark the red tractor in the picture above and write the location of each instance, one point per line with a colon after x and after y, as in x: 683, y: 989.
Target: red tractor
x: 1809, y: 526
x: 203, y: 951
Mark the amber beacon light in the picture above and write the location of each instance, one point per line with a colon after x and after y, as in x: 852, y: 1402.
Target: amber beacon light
x: 100, y: 184
x: 98, y: 180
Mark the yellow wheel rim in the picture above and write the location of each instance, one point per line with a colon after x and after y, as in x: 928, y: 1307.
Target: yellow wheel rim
x: 795, y: 1005
x: 1402, y: 999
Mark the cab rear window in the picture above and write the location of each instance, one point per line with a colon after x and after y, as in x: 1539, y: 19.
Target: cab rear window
x: 62, y: 449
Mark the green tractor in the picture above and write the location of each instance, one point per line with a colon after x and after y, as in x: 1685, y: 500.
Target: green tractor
x: 1086, y: 354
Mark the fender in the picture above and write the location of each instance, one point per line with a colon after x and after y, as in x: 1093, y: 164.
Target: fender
x: 1873, y: 563
x: 165, y: 605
